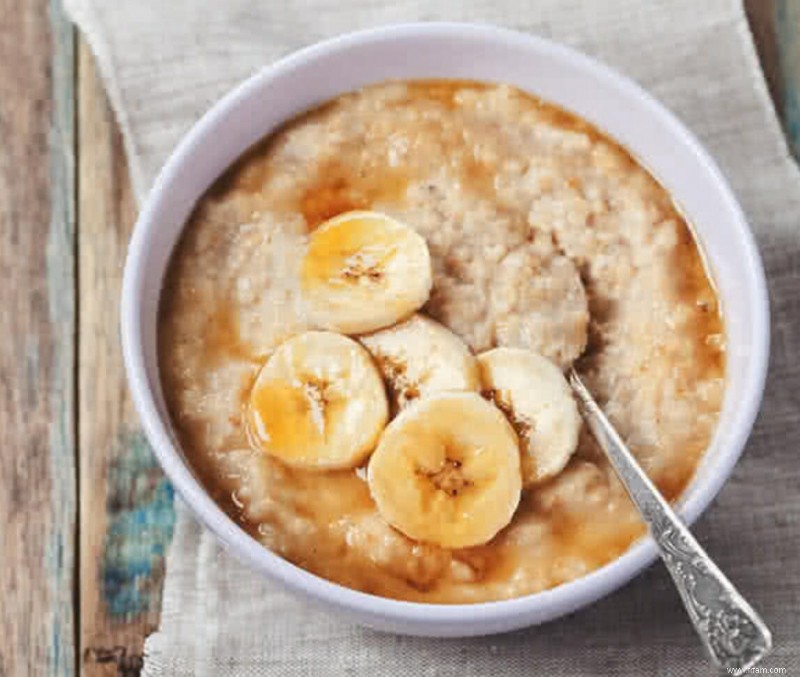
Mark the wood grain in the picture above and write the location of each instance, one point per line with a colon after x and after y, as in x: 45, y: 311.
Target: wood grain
x: 37, y: 302
x: 761, y: 16
x: 787, y: 32
x: 126, y: 504
x: 776, y: 31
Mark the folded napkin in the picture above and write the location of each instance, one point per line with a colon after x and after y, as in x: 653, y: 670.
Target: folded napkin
x: 164, y: 63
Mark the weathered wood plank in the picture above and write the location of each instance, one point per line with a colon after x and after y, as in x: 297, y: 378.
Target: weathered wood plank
x: 37, y: 302
x: 126, y: 504
x: 776, y: 30
x: 787, y: 31
x: 761, y: 17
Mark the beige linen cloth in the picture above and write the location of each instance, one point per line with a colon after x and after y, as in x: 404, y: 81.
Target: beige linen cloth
x: 165, y: 62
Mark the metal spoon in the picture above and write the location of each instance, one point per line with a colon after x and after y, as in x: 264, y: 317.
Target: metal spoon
x: 733, y: 633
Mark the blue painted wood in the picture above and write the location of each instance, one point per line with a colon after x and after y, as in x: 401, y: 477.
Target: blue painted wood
x: 787, y: 31
x: 60, y: 556
x: 37, y: 351
x: 141, y: 518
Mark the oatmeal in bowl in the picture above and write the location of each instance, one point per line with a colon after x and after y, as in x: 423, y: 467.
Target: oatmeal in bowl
x: 410, y: 267
x: 348, y: 343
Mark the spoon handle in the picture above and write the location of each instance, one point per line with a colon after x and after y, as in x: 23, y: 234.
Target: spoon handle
x: 733, y: 633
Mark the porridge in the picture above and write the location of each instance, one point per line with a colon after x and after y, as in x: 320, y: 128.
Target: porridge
x: 524, y: 240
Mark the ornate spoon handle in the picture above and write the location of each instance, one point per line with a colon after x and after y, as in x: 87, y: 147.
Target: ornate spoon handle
x: 733, y: 633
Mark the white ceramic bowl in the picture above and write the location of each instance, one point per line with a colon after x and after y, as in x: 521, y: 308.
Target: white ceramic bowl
x: 549, y: 70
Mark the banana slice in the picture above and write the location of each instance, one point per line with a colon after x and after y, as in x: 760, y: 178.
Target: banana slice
x: 318, y: 402
x: 537, y: 399
x: 364, y: 271
x: 419, y: 357
x: 446, y: 471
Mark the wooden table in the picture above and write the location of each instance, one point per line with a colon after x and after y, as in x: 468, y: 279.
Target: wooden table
x: 86, y: 514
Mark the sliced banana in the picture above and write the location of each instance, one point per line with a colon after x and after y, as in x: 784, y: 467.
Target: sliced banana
x: 318, y: 402
x: 418, y: 357
x: 537, y: 399
x: 446, y: 471
x: 364, y: 271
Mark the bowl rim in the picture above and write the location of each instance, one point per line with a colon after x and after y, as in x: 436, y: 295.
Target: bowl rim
x: 529, y: 609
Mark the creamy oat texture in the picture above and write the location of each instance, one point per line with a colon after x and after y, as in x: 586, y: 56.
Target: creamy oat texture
x: 529, y: 213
